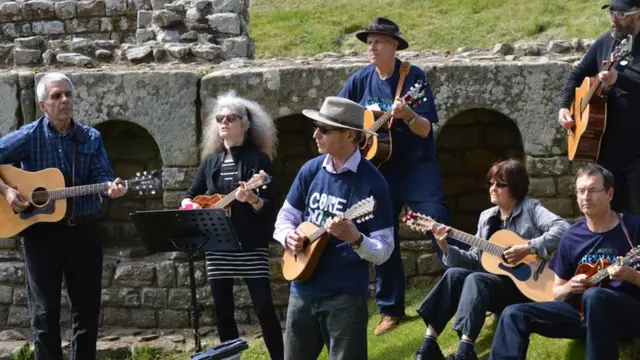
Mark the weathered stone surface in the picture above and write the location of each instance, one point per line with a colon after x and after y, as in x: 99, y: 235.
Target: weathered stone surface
x: 12, y: 273
x: 165, y: 18
x: 559, y: 46
x: 144, y: 18
x: 504, y: 49
x: 11, y: 335
x: 548, y: 166
x: 10, y: 12
x: 177, y: 51
x: 166, y: 274
x: 147, y: 101
x: 155, y: 298
x: 183, y: 274
x: 541, y: 187
x: 65, y: 9
x: 178, y: 178
x: 19, y: 317
x: 429, y: 264
x: 36, y: 10
x: 114, y: 7
x: 53, y: 27
x: 227, y: 23
x: 228, y: 6
x: 74, y: 59
x: 121, y: 297
x: 9, y: 104
x: 91, y: 8
x: 208, y: 52
x: 135, y: 275
x: 142, y: 36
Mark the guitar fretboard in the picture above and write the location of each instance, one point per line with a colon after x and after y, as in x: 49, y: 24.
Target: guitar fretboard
x: 475, y: 241
x: 57, y: 194
x: 381, y: 120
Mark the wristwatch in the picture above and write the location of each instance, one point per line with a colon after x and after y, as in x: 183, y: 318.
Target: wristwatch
x: 411, y: 121
x: 356, y: 247
x: 532, y: 250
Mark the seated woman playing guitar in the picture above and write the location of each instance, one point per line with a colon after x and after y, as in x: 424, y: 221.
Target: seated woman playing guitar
x: 238, y: 143
x: 466, y: 289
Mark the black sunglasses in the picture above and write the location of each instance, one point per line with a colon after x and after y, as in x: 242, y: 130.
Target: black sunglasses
x: 231, y: 117
x: 499, y: 185
x: 325, y: 130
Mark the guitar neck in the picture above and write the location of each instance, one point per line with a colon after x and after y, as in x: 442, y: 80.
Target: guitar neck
x: 596, y: 86
x: 475, y: 241
x: 82, y: 190
x: 381, y: 120
x: 228, y: 199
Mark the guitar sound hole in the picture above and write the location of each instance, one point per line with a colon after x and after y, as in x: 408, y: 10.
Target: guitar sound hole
x: 40, y: 197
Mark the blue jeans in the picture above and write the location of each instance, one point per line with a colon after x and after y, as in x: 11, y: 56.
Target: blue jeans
x: 469, y: 295
x: 390, y: 280
x: 339, y: 322
x: 609, y: 316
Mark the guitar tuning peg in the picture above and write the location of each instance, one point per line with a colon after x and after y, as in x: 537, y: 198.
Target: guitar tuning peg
x: 138, y: 173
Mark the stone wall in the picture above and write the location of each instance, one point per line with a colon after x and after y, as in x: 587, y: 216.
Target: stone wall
x: 488, y: 109
x: 91, y: 32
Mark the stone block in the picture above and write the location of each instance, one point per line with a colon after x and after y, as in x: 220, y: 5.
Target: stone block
x: 178, y: 178
x: 236, y: 47
x: 6, y: 294
x: 65, y: 9
x: 135, y: 275
x: 171, y: 319
x: 557, y: 165
x: 208, y: 52
x: 74, y: 59
x: 541, y: 187
x: 409, y: 263
x: 19, y: 317
x: 166, y: 274
x: 172, y: 198
x: 144, y: 18
x: 179, y: 298
x: 9, y: 107
x: 32, y: 42
x: 165, y: 18
x: 20, y: 296
x: 144, y: 35
x: 177, y: 51
x: 566, y: 185
x: 10, y: 12
x: 86, y: 25
x: 228, y: 6
x: 280, y: 293
x: 226, y: 23
x: 143, y: 318
x: 429, y: 264
x: 53, y: 27
x: 115, y: 7
x: 139, y: 5
x: 91, y: 8
x: 12, y: 273
x: 275, y: 266
x: 155, y: 298
x: 118, y: 297
x: 38, y: 10
x: 120, y: 210
x: 560, y: 206
x: 108, y: 270
x: 183, y: 274
x: 115, y: 317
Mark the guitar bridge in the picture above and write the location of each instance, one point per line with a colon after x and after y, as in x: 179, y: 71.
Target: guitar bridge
x: 539, y: 269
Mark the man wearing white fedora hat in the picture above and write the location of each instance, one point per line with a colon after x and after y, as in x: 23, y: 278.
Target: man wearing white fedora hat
x: 330, y: 307
x: 412, y: 171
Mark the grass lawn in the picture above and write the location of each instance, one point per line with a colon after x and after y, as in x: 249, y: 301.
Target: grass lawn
x: 402, y: 343
x: 290, y: 28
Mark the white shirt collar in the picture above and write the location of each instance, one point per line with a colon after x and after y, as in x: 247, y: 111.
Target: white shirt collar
x: 351, y: 164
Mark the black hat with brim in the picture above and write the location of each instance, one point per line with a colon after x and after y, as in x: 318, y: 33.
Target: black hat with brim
x: 383, y: 26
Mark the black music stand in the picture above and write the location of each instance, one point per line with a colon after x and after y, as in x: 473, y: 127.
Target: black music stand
x: 188, y: 231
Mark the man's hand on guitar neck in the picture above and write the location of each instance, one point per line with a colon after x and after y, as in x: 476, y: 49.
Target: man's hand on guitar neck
x: 564, y: 118
x: 440, y: 233
x: 608, y: 77
x: 116, y: 189
x: 13, y: 197
x: 418, y: 125
x: 344, y: 230
x: 624, y: 273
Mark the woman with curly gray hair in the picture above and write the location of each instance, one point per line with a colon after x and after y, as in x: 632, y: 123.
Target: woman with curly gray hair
x: 240, y: 140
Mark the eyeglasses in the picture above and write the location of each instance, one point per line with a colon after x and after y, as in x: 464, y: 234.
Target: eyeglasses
x: 582, y: 192
x: 325, y: 130
x: 622, y: 14
x: 499, y: 185
x: 231, y: 117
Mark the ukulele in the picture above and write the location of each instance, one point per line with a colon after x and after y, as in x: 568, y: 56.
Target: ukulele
x: 597, y: 272
x: 589, y: 112
x: 301, y: 266
x: 531, y: 275
x: 377, y: 149
x: 47, y: 194
x: 219, y: 201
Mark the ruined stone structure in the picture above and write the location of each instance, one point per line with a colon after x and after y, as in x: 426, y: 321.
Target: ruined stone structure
x: 88, y: 33
x: 492, y: 105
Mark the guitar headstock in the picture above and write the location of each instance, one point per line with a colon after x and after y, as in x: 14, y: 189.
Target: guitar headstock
x: 415, y: 95
x: 146, y: 182
x: 623, y: 49
x: 632, y: 258
x: 260, y: 179
x: 361, y: 211
x: 418, y: 222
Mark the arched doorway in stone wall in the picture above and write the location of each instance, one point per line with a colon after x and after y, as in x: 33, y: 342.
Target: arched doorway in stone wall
x: 131, y: 149
x: 468, y: 144
x: 296, y: 146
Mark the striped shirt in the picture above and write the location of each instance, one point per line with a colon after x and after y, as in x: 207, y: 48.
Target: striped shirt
x: 243, y: 263
x: 38, y: 145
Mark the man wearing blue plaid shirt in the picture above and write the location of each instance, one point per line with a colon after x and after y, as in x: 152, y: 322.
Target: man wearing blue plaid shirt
x: 70, y: 247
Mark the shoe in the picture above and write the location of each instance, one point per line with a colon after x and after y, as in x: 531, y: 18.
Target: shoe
x: 461, y: 356
x: 433, y: 352
x: 387, y: 324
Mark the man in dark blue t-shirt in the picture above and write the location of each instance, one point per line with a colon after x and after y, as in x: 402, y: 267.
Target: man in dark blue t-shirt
x: 330, y: 307
x: 611, y: 312
x: 412, y: 170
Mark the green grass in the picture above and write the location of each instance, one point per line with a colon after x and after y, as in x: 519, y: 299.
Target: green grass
x: 290, y: 28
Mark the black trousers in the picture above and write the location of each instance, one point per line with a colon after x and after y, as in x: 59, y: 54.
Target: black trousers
x: 54, y: 250
x: 626, y: 174
x: 260, y: 292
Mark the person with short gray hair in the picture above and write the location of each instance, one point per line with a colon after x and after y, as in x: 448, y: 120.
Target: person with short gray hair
x: 69, y: 249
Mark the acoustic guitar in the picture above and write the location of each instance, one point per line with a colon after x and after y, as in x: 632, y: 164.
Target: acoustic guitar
x: 47, y: 195
x: 589, y: 112
x: 597, y: 272
x: 301, y: 266
x: 378, y: 149
x: 531, y: 275
x: 219, y: 201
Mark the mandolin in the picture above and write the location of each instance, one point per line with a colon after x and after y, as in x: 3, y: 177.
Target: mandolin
x: 301, y: 266
x: 597, y: 272
x: 47, y: 195
x: 219, y: 201
x: 531, y: 275
x: 377, y: 149
x: 589, y: 112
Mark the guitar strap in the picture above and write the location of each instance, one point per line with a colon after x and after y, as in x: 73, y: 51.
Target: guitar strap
x: 624, y: 229
x: 404, y: 70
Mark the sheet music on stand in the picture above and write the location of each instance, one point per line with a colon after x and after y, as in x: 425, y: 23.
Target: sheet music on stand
x: 188, y: 231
